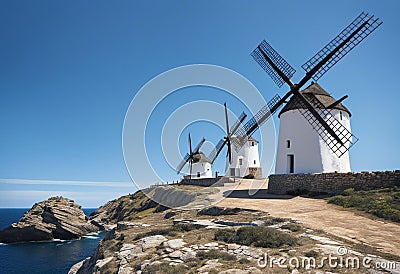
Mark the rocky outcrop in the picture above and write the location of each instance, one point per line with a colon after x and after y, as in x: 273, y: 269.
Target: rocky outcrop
x: 125, y: 208
x: 55, y: 218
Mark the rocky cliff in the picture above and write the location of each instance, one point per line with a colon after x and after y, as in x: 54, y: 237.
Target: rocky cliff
x: 55, y: 218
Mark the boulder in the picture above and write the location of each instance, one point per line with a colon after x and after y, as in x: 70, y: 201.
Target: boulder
x: 175, y: 243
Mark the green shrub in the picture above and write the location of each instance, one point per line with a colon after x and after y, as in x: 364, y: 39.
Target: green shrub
x: 383, y: 203
x: 292, y: 227
x: 311, y: 254
x: 243, y: 261
x: 258, y: 236
x: 164, y: 268
x: 170, y: 231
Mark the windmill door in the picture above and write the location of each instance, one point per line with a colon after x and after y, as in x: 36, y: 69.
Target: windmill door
x: 290, y: 163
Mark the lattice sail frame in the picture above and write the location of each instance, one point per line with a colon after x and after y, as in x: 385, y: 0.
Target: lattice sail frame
x: 234, y: 128
x: 188, y: 156
x: 365, y: 24
x: 343, y: 133
x: 278, y: 60
x: 248, y: 129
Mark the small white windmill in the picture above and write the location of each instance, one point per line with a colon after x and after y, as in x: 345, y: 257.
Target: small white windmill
x: 199, y: 164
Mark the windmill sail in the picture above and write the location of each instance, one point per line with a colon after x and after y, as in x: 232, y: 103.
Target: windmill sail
x: 189, y: 156
x: 256, y: 121
x: 265, y: 51
x: 346, y: 137
x: 335, y: 135
x: 227, y: 139
x: 342, y: 44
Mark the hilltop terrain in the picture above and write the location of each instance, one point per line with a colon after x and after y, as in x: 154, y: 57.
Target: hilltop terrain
x: 145, y: 237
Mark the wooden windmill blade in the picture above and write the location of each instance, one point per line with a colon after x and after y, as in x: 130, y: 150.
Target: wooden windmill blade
x: 277, y: 68
x: 256, y: 121
x: 183, y: 163
x: 234, y: 128
x: 215, y: 152
x: 346, y: 137
x: 280, y: 71
x: 273, y: 65
x: 189, y: 156
x: 342, y: 44
x: 197, y: 148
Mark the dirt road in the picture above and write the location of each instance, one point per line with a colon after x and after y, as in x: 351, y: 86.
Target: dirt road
x: 318, y: 214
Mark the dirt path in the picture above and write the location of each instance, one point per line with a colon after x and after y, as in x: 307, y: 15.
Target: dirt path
x: 318, y: 214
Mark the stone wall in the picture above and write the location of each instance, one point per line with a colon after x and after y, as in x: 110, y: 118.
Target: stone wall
x: 332, y: 183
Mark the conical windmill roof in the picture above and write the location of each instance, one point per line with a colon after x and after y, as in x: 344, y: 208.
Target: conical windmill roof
x: 314, y: 91
x: 200, y: 158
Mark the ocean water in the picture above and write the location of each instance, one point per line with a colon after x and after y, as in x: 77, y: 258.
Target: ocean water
x: 44, y: 257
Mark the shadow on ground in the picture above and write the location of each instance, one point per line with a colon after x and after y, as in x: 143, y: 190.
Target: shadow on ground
x: 253, y: 194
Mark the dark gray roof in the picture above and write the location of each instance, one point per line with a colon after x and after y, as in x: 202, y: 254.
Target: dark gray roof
x: 314, y: 91
x: 200, y: 158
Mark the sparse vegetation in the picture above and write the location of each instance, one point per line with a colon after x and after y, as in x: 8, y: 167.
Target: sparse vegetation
x: 292, y: 227
x: 170, y: 231
x: 383, y: 203
x: 164, y: 268
x: 274, y: 221
x: 218, y: 211
x: 258, y: 236
x: 311, y: 254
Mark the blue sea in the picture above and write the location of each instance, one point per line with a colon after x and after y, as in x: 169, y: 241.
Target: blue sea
x: 44, y: 257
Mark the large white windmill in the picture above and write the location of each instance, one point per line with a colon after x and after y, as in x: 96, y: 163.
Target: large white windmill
x: 300, y: 148
x: 320, y: 142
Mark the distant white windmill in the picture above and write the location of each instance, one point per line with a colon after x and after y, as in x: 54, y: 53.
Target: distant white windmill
x: 242, y: 162
x: 199, y: 164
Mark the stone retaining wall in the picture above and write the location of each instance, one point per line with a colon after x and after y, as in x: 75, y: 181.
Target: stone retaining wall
x: 332, y: 183
x: 205, y: 181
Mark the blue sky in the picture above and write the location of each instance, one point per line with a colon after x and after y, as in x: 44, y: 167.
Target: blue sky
x: 69, y: 71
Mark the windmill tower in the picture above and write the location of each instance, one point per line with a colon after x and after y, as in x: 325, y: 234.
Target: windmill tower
x: 199, y: 164
x: 300, y: 148
x: 327, y: 117
x: 242, y: 162
x: 245, y: 161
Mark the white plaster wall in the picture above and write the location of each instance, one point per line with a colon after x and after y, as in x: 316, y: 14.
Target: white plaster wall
x: 248, y: 154
x: 311, y: 154
x: 203, y: 168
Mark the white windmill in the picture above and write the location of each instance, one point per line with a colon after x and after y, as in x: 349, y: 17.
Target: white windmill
x: 199, y: 164
x: 243, y: 162
x: 320, y: 142
x: 300, y: 148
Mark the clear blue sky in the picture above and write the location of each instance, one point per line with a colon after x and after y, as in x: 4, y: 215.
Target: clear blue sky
x: 69, y: 70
